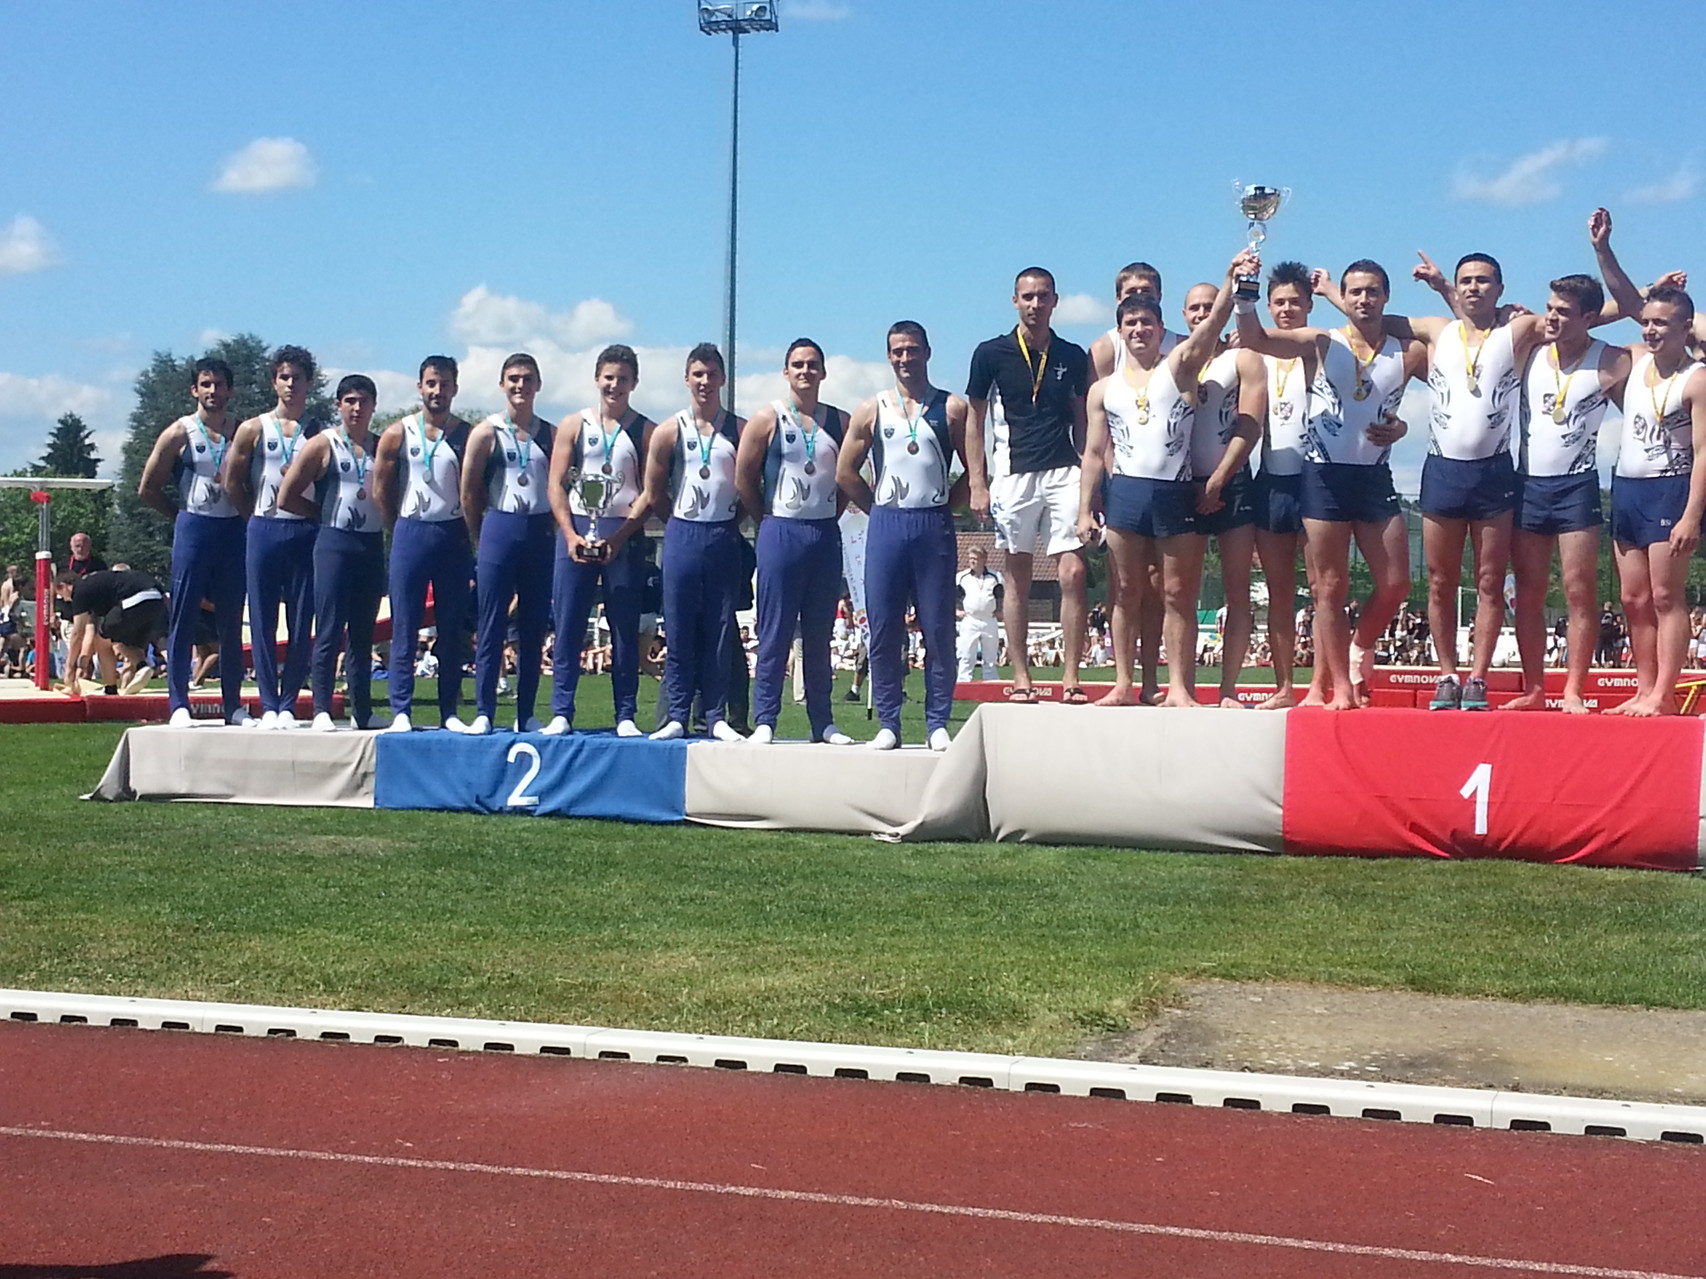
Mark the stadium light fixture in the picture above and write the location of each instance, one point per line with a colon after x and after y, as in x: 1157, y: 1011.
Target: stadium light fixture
x: 744, y: 17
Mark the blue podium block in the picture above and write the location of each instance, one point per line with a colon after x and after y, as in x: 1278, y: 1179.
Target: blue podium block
x: 529, y: 774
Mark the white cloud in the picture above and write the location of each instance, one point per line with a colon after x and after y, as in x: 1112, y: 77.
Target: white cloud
x: 29, y: 406
x: 211, y: 338
x: 1681, y: 185
x: 26, y: 246
x: 267, y: 164
x: 1529, y: 179
x: 483, y: 317
x: 1083, y: 308
x: 815, y: 11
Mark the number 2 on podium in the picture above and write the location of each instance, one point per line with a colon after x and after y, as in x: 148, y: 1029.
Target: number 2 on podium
x: 1480, y: 784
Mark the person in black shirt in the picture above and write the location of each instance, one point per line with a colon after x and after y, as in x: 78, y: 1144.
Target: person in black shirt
x: 112, y: 610
x: 1026, y: 392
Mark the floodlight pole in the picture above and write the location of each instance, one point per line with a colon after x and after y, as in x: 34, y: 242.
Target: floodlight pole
x: 745, y: 17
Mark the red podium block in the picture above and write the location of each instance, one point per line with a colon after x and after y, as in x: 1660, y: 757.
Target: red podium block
x: 1595, y: 790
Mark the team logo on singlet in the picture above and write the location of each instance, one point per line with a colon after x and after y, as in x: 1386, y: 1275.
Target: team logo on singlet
x: 415, y: 451
x: 789, y: 436
x: 509, y: 455
x: 888, y: 432
x: 272, y: 446
x: 344, y: 467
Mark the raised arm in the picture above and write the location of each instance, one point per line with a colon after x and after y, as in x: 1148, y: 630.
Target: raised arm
x: 855, y: 448
x: 749, y: 461
x: 1200, y: 343
x: 385, y: 465
x: 158, y: 469
x: 305, y: 471
x: 473, y: 482
x: 1625, y: 298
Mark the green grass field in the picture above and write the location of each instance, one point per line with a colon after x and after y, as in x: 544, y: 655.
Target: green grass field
x: 996, y: 947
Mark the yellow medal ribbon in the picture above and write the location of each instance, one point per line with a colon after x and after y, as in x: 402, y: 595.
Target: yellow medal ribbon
x: 1364, y: 385
x: 1561, y: 383
x: 1472, y: 361
x: 1660, y: 407
x: 1141, y: 393
x: 1041, y: 365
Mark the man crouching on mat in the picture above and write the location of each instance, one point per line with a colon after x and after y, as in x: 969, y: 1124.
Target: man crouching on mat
x: 113, y: 611
x: 1146, y: 410
x: 690, y: 479
x: 606, y: 443
x: 786, y: 476
x: 913, y: 434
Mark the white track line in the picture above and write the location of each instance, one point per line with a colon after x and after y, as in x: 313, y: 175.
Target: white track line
x: 855, y: 1201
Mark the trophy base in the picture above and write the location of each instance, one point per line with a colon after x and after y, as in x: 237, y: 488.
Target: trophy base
x: 1247, y: 288
x: 595, y: 552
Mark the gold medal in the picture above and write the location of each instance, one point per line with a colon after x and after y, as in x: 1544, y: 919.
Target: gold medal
x: 1474, y: 383
x: 1560, y: 414
x: 1361, y: 393
x: 1142, y: 415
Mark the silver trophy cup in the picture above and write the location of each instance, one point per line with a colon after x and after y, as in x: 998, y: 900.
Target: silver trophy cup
x: 1258, y: 204
x: 595, y: 490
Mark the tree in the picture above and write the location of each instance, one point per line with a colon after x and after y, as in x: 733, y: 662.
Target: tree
x: 143, y: 536
x: 70, y: 450
x: 74, y: 511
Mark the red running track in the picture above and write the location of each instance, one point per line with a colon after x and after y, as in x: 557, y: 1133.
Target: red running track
x: 185, y: 1154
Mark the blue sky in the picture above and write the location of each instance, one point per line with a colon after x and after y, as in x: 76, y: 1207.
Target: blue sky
x: 382, y: 181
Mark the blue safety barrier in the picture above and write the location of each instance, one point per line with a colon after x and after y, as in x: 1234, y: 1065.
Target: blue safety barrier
x: 581, y: 775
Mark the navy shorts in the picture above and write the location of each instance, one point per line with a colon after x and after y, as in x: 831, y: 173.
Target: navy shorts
x: 1150, y: 508
x: 1554, y: 504
x: 1644, y: 512
x: 1237, y: 506
x: 1345, y: 493
x: 1277, y: 500
x: 1458, y: 489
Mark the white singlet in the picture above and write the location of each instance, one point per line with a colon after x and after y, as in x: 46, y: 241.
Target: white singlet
x: 346, y: 501
x: 1169, y: 340
x: 1550, y: 447
x: 197, y: 471
x: 517, y: 469
x: 910, y: 455
x: 799, y: 466
x: 616, y: 455
x: 1288, y: 416
x: 1658, y: 429
x: 1473, y: 416
x: 1152, y: 435
x: 977, y: 593
x: 1338, y: 421
x: 1216, y: 415
x: 432, y: 473
x: 704, y: 470
x: 274, y: 451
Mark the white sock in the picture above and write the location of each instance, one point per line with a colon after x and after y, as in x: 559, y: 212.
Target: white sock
x: 939, y: 740
x: 479, y: 728
x: 833, y: 736
x: 181, y: 718
x: 628, y: 728
x: 885, y: 740
x: 557, y: 727
x: 724, y: 731
x: 670, y: 731
x: 399, y: 723
x: 763, y: 735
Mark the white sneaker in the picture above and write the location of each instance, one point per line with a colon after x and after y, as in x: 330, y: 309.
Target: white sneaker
x: 833, y: 736
x: 724, y: 731
x: 240, y: 718
x: 670, y: 731
x: 763, y: 735
x: 558, y: 726
x: 181, y: 718
x: 451, y: 724
x: 529, y: 725
x: 479, y: 728
x: 503, y: 686
x: 885, y: 740
x: 399, y: 724
x: 268, y: 720
x: 940, y: 741
x: 323, y: 723
x: 628, y: 728
x: 286, y: 720
x: 356, y: 726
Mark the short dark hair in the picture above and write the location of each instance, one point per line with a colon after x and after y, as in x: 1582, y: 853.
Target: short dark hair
x: 1583, y: 290
x: 521, y: 359
x: 1488, y: 258
x: 1138, y: 271
x: 796, y: 344
x: 1367, y: 266
x: 210, y: 364
x: 1038, y: 272
x: 912, y: 329
x: 297, y: 355
x: 1139, y: 301
x: 1292, y: 273
x: 1676, y: 298
x: 359, y: 383
x: 443, y: 363
x: 618, y: 353
x: 706, y: 353
x: 66, y: 577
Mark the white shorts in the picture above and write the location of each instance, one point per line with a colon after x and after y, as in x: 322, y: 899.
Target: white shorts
x: 1036, y: 506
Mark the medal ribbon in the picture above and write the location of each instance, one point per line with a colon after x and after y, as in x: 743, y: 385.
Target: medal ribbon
x: 1472, y: 361
x: 1561, y: 380
x: 1660, y: 407
x: 809, y: 438
x: 1041, y: 367
x: 1141, y: 392
x: 429, y: 448
x: 217, y: 450
x: 523, y: 452
x: 1362, y: 364
x: 912, y: 424
x: 287, y: 444
x: 358, y: 455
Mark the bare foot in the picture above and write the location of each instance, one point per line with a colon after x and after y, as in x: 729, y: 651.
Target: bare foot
x: 1177, y: 698
x: 1314, y: 697
x: 1344, y: 704
x: 1640, y: 708
x: 1359, y: 691
x: 1281, y: 700
x: 1622, y: 708
x: 1230, y: 703
x: 1534, y: 700
x: 1574, y: 705
x: 1119, y: 695
x: 1149, y: 695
